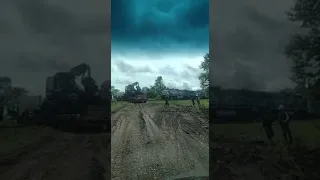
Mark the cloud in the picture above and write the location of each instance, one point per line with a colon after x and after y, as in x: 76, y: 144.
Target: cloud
x: 173, y: 70
x: 167, y: 69
x: 129, y: 69
x: 159, y: 38
x: 39, y: 38
x: 255, y: 32
x: 144, y: 21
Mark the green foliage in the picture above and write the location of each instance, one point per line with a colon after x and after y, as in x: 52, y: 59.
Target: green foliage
x: 5, y: 81
x: 304, y: 48
x: 152, y: 93
x: 9, y: 92
x: 204, y: 76
x: 145, y: 89
x: 156, y: 90
x: 114, y: 91
x: 159, y: 85
x: 18, y: 91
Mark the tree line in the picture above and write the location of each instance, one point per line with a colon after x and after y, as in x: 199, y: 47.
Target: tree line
x: 8, y: 92
x: 155, y: 90
x: 304, y: 47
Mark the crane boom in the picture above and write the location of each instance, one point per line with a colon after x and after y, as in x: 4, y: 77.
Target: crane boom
x: 81, y: 69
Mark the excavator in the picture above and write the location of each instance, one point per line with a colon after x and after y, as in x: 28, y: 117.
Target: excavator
x: 68, y: 105
x: 134, y: 94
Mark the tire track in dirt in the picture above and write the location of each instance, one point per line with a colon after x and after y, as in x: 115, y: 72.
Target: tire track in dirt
x: 69, y: 156
x: 192, y: 138
x: 148, y: 143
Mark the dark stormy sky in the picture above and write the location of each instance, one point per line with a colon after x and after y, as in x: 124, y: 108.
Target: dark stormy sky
x: 250, y: 36
x: 158, y: 37
x: 39, y: 38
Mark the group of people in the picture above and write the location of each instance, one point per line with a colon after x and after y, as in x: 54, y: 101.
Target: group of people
x: 193, y: 99
x: 197, y: 99
x: 270, y: 116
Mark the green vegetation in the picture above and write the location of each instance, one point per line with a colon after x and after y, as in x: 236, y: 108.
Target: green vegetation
x: 116, y: 105
x: 305, y: 132
x: 204, y: 76
x: 204, y: 102
x: 303, y: 49
x: 155, y: 90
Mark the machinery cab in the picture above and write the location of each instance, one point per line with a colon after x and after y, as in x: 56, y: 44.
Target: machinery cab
x: 62, y: 87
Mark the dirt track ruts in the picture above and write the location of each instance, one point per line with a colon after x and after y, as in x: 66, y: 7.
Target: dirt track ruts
x: 152, y: 142
x: 67, y: 156
x: 148, y: 142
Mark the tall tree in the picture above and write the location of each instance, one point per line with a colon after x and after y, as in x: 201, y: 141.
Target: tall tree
x: 17, y: 92
x: 152, y: 92
x: 9, y: 92
x: 204, y: 76
x: 145, y: 89
x: 5, y: 90
x: 159, y: 85
x: 105, y: 89
x: 304, y: 48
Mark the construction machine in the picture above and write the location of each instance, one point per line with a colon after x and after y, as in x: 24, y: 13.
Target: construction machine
x: 134, y: 94
x: 69, y: 105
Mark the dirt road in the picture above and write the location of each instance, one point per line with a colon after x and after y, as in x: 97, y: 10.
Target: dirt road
x: 61, y: 156
x: 148, y: 142
x: 151, y: 142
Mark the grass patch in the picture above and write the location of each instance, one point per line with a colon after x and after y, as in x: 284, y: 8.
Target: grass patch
x: 308, y: 132
x: 204, y: 102
x: 115, y: 105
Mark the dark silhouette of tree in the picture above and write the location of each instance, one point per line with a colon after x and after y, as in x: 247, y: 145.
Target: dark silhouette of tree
x: 204, y: 76
x: 304, y: 48
x: 159, y: 85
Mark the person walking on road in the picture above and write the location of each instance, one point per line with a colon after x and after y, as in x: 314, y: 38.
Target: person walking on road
x: 167, y: 100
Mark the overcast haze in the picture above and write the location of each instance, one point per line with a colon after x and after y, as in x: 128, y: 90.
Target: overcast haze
x: 39, y: 38
x: 250, y: 35
x: 159, y: 38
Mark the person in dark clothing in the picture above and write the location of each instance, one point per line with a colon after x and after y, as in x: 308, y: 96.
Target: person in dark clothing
x: 167, y: 100
x: 284, y: 121
x: 198, y: 101
x: 192, y: 100
x: 270, y: 116
x: 267, y: 119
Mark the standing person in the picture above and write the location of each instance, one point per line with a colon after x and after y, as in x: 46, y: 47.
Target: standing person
x: 198, y: 101
x: 167, y: 100
x: 284, y: 120
x: 192, y: 100
x: 267, y: 119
